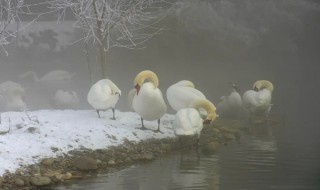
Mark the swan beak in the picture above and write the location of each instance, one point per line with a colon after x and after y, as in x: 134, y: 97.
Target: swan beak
x: 206, y: 121
x: 137, y: 87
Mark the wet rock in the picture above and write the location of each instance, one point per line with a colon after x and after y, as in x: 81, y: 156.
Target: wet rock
x: 229, y: 136
x: 19, y: 182
x: 147, y: 156
x: 211, y: 147
x: 85, y: 163
x: 47, y: 161
x: 40, y: 181
x: 111, y: 162
x: 1, y: 181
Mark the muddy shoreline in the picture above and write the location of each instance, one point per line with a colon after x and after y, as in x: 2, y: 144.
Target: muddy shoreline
x: 79, y: 164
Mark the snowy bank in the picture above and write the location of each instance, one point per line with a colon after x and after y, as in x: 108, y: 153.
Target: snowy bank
x: 52, y: 133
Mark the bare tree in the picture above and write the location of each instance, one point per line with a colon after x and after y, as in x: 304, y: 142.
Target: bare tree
x: 114, y: 23
x: 9, y: 11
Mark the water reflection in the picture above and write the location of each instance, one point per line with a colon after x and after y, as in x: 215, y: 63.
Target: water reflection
x: 262, y: 160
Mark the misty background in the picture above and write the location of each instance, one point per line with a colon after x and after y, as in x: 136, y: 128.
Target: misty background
x: 208, y: 42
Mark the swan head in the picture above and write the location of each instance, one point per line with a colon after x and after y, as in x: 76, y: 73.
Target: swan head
x: 262, y: 84
x: 145, y: 75
x: 208, y: 106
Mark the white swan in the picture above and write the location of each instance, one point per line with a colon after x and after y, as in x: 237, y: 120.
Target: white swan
x: 66, y: 99
x: 182, y: 93
x: 12, y: 96
x: 104, y: 95
x: 55, y: 75
x: 258, y: 100
x: 188, y: 121
x: 230, y: 105
x: 148, y: 101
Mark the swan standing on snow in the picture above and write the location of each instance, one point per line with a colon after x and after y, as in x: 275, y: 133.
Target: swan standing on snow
x: 182, y: 93
x: 231, y: 105
x: 55, y: 75
x: 66, y: 99
x: 188, y: 121
x: 258, y: 100
x: 148, y: 101
x: 104, y: 95
x: 12, y: 96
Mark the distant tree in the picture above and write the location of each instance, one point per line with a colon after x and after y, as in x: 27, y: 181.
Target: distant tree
x: 114, y: 23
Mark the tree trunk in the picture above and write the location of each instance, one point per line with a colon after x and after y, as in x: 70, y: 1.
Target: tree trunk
x: 103, y: 61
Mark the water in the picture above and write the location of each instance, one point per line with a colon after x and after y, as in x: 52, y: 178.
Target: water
x: 262, y: 160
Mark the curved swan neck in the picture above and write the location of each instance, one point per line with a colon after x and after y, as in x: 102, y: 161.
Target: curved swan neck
x: 263, y: 84
x: 146, y: 75
x: 186, y: 83
x: 208, y: 106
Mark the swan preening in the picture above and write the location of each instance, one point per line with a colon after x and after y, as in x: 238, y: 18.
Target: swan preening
x: 148, y: 101
x: 55, y: 75
x: 12, y: 96
x: 66, y: 99
x: 258, y: 100
x: 104, y: 95
x: 230, y: 105
x: 188, y: 121
x: 182, y: 93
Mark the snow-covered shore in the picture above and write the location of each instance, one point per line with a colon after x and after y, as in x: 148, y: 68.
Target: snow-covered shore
x: 52, y: 133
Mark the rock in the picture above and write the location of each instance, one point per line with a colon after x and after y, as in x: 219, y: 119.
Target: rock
x: 229, y: 136
x: 85, y: 163
x: 147, y: 156
x: 111, y: 162
x: 19, y: 182
x: 47, y: 161
x: 40, y: 181
x: 32, y: 130
x: 211, y: 147
x: 1, y: 181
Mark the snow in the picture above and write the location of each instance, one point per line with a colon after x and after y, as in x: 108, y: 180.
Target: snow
x: 29, y: 141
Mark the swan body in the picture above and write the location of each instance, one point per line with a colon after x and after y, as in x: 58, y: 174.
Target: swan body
x: 66, y: 99
x: 104, y: 95
x: 148, y: 101
x: 188, y: 121
x: 258, y: 100
x: 55, y: 75
x: 182, y: 93
x: 230, y: 105
x: 12, y: 96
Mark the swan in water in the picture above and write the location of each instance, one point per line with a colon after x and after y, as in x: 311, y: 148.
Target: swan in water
x: 104, y: 95
x: 182, y: 93
x: 258, y: 100
x: 188, y: 121
x: 55, y: 75
x: 230, y: 105
x: 12, y: 96
x: 148, y: 101
x: 66, y: 99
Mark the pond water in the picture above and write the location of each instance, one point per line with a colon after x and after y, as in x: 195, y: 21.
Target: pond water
x: 261, y: 160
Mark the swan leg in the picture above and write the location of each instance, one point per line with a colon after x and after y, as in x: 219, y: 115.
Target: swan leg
x: 98, y: 113
x: 158, y: 130
x: 143, y: 127
x: 113, y: 112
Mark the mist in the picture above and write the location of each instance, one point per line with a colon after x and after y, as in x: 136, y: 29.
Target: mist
x: 210, y: 43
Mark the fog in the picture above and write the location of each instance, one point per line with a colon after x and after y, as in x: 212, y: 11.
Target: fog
x: 208, y: 42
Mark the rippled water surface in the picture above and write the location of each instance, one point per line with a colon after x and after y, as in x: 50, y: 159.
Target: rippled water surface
x: 259, y: 161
